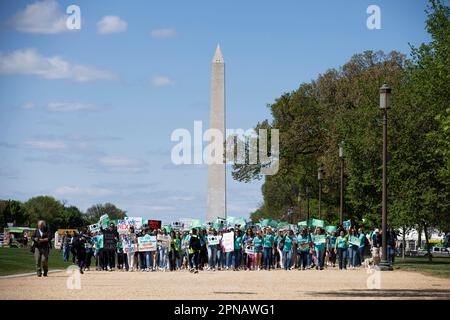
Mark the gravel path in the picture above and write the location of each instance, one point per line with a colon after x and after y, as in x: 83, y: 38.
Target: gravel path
x: 310, y: 284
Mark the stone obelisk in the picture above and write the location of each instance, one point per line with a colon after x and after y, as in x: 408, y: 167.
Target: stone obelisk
x: 216, y: 206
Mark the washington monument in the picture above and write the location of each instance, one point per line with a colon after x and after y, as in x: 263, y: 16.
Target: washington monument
x: 216, y: 206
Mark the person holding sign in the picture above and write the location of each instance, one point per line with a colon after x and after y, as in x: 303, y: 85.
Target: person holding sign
x: 129, y: 245
x: 319, y: 247
x: 268, y: 248
x: 341, y: 249
x: 257, y: 243
x: 212, y: 242
x: 249, y: 250
x: 287, y: 249
x: 173, y: 251
x: 353, y: 246
x: 303, y: 248
x: 331, y: 243
x: 237, y: 250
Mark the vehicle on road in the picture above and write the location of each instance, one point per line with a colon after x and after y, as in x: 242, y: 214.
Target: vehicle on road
x: 435, y: 252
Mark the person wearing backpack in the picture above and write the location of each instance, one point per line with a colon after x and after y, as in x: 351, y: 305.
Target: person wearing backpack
x: 194, y: 250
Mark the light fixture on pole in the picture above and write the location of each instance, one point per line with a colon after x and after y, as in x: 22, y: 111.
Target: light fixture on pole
x: 385, y: 92
x: 341, y: 193
x: 320, y: 177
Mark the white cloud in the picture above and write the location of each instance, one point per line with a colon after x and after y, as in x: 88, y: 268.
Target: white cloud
x: 111, y: 24
x: 67, y: 107
x: 30, y: 62
x: 161, y: 81
x: 28, y: 105
x: 40, y: 17
x: 77, y: 191
x: 163, y: 33
x: 44, y: 145
x: 122, y: 164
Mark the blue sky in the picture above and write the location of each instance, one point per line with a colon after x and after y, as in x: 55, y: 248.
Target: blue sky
x: 86, y: 115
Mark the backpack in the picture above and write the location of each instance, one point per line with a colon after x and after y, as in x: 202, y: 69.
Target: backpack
x: 195, y: 243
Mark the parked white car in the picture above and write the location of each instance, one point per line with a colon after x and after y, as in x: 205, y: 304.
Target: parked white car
x: 435, y: 252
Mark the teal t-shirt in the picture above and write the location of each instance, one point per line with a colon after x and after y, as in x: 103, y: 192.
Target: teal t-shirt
x: 319, y: 246
x: 362, y: 236
x: 302, y: 242
x: 268, y: 241
x: 257, y: 242
x: 342, y: 242
x: 237, y: 243
x: 287, y: 243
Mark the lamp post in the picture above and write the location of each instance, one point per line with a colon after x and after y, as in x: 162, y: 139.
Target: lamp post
x: 290, y: 211
x: 319, y: 177
x: 385, y: 92
x: 307, y: 205
x: 341, y: 192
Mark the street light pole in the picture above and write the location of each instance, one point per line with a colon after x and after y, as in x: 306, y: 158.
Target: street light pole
x: 341, y: 193
x: 319, y: 177
x: 307, y: 204
x: 385, y: 92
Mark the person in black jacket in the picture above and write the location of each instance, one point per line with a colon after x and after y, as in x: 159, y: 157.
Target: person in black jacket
x: 41, y: 248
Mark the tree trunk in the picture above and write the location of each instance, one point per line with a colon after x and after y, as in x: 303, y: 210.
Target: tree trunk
x: 425, y: 230
x: 419, y: 237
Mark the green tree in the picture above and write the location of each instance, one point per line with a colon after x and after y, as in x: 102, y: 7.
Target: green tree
x: 96, y: 211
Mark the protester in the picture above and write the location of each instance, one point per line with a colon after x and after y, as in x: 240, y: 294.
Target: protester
x: 287, y: 249
x: 353, y: 249
x: 341, y: 249
x: 303, y: 248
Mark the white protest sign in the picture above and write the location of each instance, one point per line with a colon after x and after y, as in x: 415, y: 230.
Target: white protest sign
x: 250, y: 249
x: 164, y: 240
x: 147, y: 243
x: 228, y: 241
x: 94, y: 228
x: 212, y: 239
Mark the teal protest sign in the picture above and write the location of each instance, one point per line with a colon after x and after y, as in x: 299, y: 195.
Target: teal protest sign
x: 318, y: 223
x: 347, y: 224
x: 98, y: 241
x: 265, y: 222
x: 104, y: 221
x: 196, y: 223
x: 320, y: 238
x: 303, y: 223
x: 331, y: 229
x: 354, y: 241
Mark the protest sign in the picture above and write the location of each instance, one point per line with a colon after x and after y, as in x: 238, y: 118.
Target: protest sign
x: 177, y: 225
x: 98, y: 241
x: 147, y: 243
x: 122, y: 226
x: 154, y: 224
x: 303, y: 245
x: 228, y: 241
x: 318, y: 223
x: 104, y: 221
x: 212, y: 239
x: 250, y: 249
x: 331, y: 229
x: 187, y: 224
x: 196, y: 223
x: 354, y: 241
x: 320, y: 238
x: 129, y: 243
x: 303, y: 224
x: 347, y: 224
x: 164, y: 240
x: 94, y: 228
x: 135, y: 221
x: 266, y: 222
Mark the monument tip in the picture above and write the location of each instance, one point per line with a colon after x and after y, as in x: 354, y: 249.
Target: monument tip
x: 218, y: 57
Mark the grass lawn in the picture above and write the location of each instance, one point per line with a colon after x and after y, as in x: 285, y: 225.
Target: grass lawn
x: 21, y: 260
x: 438, y: 267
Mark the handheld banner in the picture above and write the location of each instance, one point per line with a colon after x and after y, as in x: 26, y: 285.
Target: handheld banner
x: 228, y: 241
x: 196, y: 223
x: 303, y: 224
x: 129, y: 243
x: 147, y: 243
x: 94, y: 228
x: 177, y: 225
x: 331, y: 229
x: 318, y: 223
x: 347, y: 224
x: 163, y: 240
x: 250, y: 249
x: 98, y: 241
x: 212, y: 239
x: 303, y: 245
x: 187, y: 224
x: 320, y: 238
x: 354, y: 241
x: 154, y: 224
x: 104, y: 221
